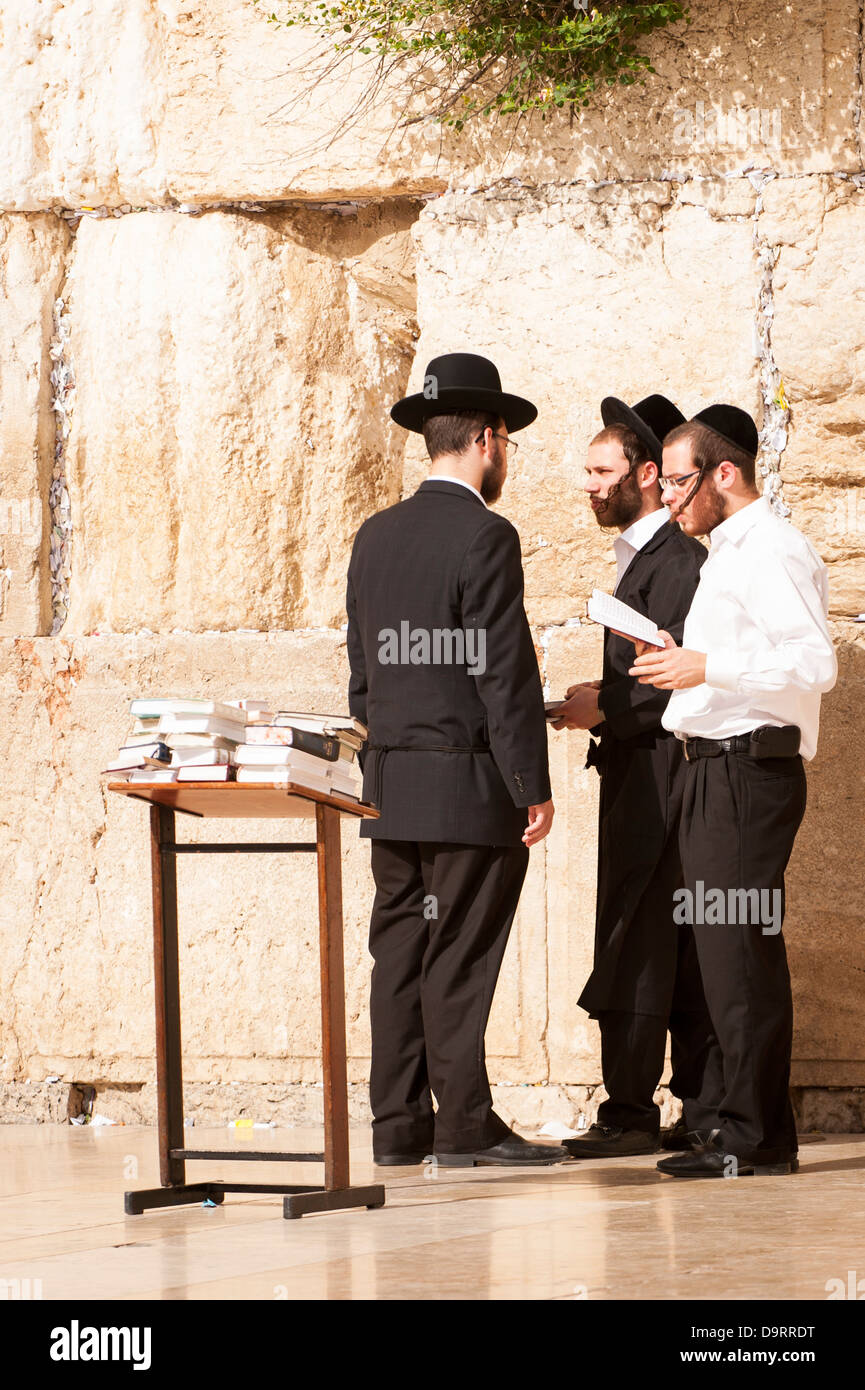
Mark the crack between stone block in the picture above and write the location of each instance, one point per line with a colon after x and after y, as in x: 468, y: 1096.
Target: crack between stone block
x: 544, y: 636
x: 345, y: 207
x: 776, y: 410
x: 494, y: 191
x: 62, y: 403
x: 860, y: 59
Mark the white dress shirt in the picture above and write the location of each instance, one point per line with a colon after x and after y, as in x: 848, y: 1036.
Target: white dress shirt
x: 639, y: 534
x: 760, y: 615
x: 443, y: 478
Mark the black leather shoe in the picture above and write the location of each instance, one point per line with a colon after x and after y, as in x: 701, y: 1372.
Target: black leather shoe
x: 674, y: 1137
x: 679, y: 1138
x: 609, y: 1141
x: 510, y: 1152
x: 710, y: 1161
x: 403, y: 1160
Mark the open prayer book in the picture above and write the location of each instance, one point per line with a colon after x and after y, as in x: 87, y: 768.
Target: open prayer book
x: 611, y: 612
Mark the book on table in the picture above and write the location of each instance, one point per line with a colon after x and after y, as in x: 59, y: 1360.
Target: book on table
x: 148, y: 708
x: 200, y: 757
x: 278, y: 776
x: 287, y: 736
x: 276, y: 755
x: 142, y: 755
x: 350, y: 732
x: 152, y: 774
x: 213, y: 772
x: 174, y: 723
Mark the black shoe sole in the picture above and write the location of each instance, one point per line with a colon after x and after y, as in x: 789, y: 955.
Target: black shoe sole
x: 767, y: 1170
x: 613, y: 1153
x: 401, y: 1160
x: 480, y: 1161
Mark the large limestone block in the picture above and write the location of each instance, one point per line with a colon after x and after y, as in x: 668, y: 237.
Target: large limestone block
x: 573, y: 654
x: 579, y: 294
x: 720, y: 102
x: 146, y: 102
x: 83, y: 100
x: 75, y: 919
x: 824, y: 928
x: 516, y: 1035
x: 76, y: 938
x: 32, y: 262
x: 230, y: 430
x: 818, y: 342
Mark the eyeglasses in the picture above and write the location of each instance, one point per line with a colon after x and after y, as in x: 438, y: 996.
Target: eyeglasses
x: 509, y: 443
x: 677, y: 484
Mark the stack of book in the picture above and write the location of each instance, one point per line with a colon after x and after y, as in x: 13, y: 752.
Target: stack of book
x: 183, y: 740
x: 209, y: 741
x: 314, y: 750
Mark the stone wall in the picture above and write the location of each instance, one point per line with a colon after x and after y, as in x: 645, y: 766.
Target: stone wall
x: 215, y: 279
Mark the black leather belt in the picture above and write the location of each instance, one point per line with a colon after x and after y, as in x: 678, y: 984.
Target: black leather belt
x: 382, y: 749
x: 714, y: 747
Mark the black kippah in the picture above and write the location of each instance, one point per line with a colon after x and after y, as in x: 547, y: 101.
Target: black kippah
x: 735, y: 426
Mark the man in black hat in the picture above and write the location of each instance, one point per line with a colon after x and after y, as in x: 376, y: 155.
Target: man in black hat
x: 642, y: 958
x: 445, y: 676
x: 746, y: 687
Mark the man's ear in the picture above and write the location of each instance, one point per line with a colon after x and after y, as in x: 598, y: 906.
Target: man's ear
x: 726, y: 473
x: 650, y: 474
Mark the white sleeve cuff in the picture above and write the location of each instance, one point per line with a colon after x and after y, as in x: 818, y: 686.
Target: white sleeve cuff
x: 722, y: 670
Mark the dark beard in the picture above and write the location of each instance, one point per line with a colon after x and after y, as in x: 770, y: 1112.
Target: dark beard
x: 709, y: 508
x: 494, y: 478
x: 622, y: 505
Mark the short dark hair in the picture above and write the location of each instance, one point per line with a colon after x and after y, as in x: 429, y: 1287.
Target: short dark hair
x: 708, y: 449
x: 635, y: 449
x: 454, y: 432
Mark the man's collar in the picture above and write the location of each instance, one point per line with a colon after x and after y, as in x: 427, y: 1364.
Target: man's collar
x: 643, y: 529
x: 740, y: 523
x: 442, y: 483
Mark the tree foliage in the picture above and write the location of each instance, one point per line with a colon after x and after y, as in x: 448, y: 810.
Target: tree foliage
x: 480, y: 57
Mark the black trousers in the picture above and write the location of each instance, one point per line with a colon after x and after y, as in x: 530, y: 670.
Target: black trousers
x: 632, y: 1054
x: 440, y: 923
x: 739, y: 820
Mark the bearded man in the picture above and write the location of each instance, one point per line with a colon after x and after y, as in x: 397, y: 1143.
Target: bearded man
x: 645, y: 977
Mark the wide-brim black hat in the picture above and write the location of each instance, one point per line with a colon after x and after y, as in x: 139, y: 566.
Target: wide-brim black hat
x: 462, y: 381
x: 650, y: 419
x: 733, y: 425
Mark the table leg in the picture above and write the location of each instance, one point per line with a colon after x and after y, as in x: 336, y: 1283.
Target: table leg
x: 333, y: 1045
x: 166, y: 978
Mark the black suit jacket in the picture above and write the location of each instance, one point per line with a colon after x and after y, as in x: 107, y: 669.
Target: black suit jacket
x: 641, y: 788
x: 441, y: 560
x: 660, y: 582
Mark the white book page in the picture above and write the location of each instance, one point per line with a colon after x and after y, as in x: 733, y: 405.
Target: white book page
x: 611, y: 612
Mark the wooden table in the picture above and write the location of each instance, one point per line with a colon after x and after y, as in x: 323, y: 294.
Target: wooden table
x: 235, y: 800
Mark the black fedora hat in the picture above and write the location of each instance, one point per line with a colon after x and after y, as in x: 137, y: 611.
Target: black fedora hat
x: 650, y: 419
x: 733, y: 425
x: 462, y: 381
